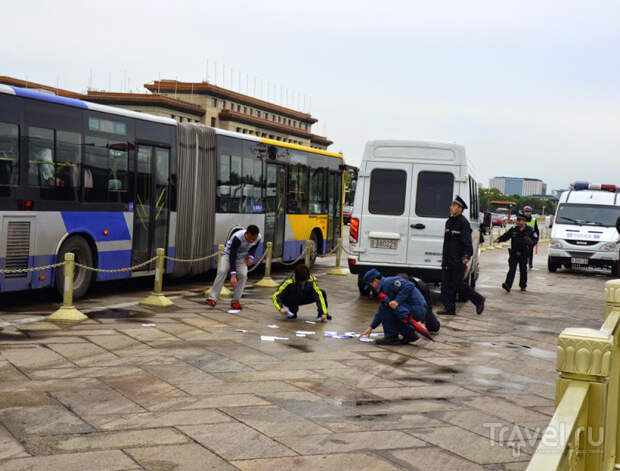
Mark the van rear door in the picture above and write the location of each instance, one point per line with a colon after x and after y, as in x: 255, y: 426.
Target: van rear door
x: 385, y: 213
x: 433, y: 191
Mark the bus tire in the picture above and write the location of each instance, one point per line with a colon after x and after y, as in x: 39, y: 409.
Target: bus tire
x: 83, y: 255
x: 314, y: 248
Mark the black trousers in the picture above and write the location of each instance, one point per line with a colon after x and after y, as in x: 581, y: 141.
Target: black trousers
x: 517, y: 258
x: 452, y: 282
x: 293, y: 301
x: 530, y: 256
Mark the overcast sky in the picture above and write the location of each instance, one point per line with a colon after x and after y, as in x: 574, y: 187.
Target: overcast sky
x: 530, y: 88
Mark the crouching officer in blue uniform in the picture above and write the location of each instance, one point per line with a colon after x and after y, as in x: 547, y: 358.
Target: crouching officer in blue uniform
x: 457, y: 252
x: 521, y: 242
x: 399, y: 299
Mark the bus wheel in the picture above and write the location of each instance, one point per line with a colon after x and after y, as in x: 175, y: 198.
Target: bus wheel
x: 83, y: 255
x: 314, y: 248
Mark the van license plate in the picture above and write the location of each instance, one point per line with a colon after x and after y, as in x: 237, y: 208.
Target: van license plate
x: 383, y: 244
x: 579, y: 261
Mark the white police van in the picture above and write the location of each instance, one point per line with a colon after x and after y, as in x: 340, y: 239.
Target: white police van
x: 584, y: 231
x: 402, y: 201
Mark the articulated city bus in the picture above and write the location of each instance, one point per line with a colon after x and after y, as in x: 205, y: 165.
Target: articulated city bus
x: 113, y: 185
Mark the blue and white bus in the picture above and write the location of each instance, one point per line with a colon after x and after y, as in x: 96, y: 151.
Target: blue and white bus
x: 112, y: 185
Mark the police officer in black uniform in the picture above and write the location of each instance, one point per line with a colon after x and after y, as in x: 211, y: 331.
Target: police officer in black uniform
x: 457, y: 251
x: 531, y: 221
x: 521, y: 242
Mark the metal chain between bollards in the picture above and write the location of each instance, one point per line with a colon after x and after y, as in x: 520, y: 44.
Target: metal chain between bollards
x: 302, y: 255
x: 117, y: 270
x: 258, y: 262
x: 190, y: 260
x: 26, y: 270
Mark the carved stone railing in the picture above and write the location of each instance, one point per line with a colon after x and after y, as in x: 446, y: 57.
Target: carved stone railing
x: 583, y: 433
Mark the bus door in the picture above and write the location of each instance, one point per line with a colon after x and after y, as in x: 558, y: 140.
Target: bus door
x: 275, y: 204
x: 334, y: 205
x: 150, y: 221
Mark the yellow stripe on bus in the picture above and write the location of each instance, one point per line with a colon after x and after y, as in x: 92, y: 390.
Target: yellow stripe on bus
x: 298, y: 147
x: 302, y: 224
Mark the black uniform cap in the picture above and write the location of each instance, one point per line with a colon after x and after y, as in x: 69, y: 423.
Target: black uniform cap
x: 520, y: 215
x: 459, y: 201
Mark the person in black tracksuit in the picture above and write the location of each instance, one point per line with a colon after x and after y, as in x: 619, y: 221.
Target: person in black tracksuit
x: 521, y: 241
x: 301, y: 288
x: 457, y: 252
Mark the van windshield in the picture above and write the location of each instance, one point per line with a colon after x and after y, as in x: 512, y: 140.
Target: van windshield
x: 587, y: 215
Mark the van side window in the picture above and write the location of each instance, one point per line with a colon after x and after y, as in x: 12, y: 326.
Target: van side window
x: 387, y: 192
x: 434, y: 194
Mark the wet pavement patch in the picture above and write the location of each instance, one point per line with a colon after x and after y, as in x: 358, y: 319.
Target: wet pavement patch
x: 118, y: 314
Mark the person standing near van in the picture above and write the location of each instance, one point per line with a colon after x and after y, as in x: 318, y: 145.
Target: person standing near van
x: 531, y: 221
x: 521, y: 243
x: 457, y: 252
x: 237, y: 257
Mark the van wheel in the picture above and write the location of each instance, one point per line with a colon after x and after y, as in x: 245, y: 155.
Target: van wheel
x: 84, y: 256
x: 616, y: 270
x: 552, y: 266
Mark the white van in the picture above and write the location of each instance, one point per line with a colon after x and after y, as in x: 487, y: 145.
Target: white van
x: 402, y: 200
x: 584, y: 232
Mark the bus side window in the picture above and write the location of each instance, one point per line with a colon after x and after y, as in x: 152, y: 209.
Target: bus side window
x: 317, y: 192
x: 41, y: 157
x: 9, y: 151
x: 105, y: 170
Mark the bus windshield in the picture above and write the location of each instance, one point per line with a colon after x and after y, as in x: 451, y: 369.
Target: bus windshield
x: 587, y: 215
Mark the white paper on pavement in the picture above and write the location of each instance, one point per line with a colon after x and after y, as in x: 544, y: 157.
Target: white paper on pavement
x: 243, y: 331
x: 273, y: 326
x: 310, y: 322
x: 271, y: 338
x: 366, y: 339
x: 376, y: 334
x: 299, y: 335
x: 148, y: 325
x: 234, y: 311
x: 306, y: 332
x: 331, y: 333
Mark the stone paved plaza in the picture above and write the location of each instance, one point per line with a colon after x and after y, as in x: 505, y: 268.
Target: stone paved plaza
x: 195, y: 388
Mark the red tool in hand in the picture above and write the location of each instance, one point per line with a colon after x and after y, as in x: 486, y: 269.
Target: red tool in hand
x: 419, y: 327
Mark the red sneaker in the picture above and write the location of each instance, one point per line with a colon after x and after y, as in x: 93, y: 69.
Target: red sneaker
x: 211, y: 302
x: 236, y: 305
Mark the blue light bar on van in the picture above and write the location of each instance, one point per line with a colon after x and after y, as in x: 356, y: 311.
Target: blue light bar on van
x: 593, y: 186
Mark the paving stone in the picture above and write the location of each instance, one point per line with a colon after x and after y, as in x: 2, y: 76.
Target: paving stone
x: 97, y: 400
x: 114, y: 460
x: 9, y: 447
x: 371, y: 422
x: 9, y: 373
x: 139, y: 388
x: 157, y: 419
x: 467, y: 445
x: 84, y: 354
x: 275, y: 374
x: 41, y: 420
x: 423, y: 459
x: 35, y: 357
x: 26, y: 399
x: 423, y: 392
x: 204, y: 402
x: 178, y: 457
x: 348, y: 461
x: 356, y: 441
x: 104, y: 441
x: 506, y: 410
x: 235, y: 441
x: 274, y: 421
x: 88, y: 372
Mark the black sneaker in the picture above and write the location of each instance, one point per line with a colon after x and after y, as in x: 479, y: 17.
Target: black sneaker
x: 318, y: 317
x: 480, y: 307
x: 388, y: 341
x: 409, y: 338
x: 523, y: 288
x: 505, y: 286
x: 446, y: 313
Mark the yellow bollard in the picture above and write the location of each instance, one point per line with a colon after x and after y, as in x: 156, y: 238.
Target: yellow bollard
x: 68, y: 312
x: 267, y: 281
x: 157, y: 298
x: 308, y: 253
x: 224, y: 292
x: 338, y: 270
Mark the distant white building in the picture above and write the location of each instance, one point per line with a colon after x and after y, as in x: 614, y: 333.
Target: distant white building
x: 518, y: 186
